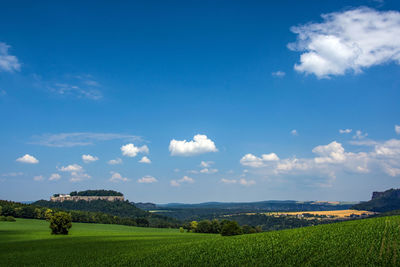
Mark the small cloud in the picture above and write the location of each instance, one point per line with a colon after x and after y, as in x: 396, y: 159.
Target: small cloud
x: 89, y: 158
x: 28, y: 159
x: 117, y: 177
x: 38, y: 178
x: 177, y: 170
x: 71, y: 168
x: 130, y: 150
x: 3, y: 93
x: 199, y: 145
x: 12, y: 174
x: 206, y: 164
x: 228, y: 181
x: 246, y: 182
x: 294, y: 132
x: 79, y: 139
x: 115, y: 161
x: 8, y: 63
x: 147, y: 180
x: 79, y: 176
x: 360, y: 135
x: 208, y: 171
x: 256, y: 162
x: 185, y: 179
x: 397, y: 129
x: 279, y: 74
x: 145, y: 160
x: 55, y: 177
x: 345, y: 131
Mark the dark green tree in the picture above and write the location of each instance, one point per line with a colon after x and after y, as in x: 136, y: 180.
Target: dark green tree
x: 60, y: 223
x: 204, y: 226
x: 231, y: 228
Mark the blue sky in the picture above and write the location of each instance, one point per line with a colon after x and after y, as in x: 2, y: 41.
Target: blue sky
x: 275, y: 101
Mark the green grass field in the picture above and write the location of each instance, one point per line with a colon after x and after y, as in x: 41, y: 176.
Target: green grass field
x: 373, y: 242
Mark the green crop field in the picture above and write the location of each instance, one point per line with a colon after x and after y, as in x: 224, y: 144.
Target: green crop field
x: 368, y: 242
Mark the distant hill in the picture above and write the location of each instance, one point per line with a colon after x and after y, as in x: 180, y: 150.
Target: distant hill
x: 388, y: 200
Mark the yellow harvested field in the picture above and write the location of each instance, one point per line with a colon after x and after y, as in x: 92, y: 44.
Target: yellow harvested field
x: 335, y: 213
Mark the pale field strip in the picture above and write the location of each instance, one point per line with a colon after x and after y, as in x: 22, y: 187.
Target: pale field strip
x: 335, y: 213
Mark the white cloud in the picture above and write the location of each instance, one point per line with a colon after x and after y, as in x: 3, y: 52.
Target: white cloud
x: 28, y: 159
x: 351, y: 40
x: 253, y: 161
x: 3, y: 92
x: 115, y: 161
x: 228, y: 181
x: 397, y: 129
x: 130, y: 150
x: 55, y: 177
x: 345, y: 131
x: 278, y: 73
x: 185, y: 179
x: 147, y: 180
x: 117, y: 177
x: 8, y: 63
x: 145, y: 160
x: 38, y: 178
x: 89, y: 158
x: 360, y: 135
x: 199, y: 145
x: 331, y: 153
x: 294, y: 132
x: 208, y: 171
x: 245, y: 182
x: 79, y: 139
x: 71, y: 168
x: 174, y: 183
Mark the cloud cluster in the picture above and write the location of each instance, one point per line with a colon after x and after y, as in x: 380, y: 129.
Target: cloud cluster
x: 76, y: 171
x: 89, y: 158
x: 28, y: 159
x: 331, y: 159
x: 199, y: 145
x: 8, y: 63
x: 348, y: 41
x: 38, y: 178
x: 185, y: 179
x: 130, y: 150
x: 147, y: 180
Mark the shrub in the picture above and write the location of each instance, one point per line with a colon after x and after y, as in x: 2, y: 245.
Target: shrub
x: 10, y: 219
x: 60, y: 223
x: 2, y: 218
x: 181, y: 230
x: 231, y: 228
x: 204, y: 226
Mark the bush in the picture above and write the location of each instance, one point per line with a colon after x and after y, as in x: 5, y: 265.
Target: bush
x: 204, y: 226
x: 3, y: 218
x: 60, y: 223
x: 181, y: 230
x: 10, y: 219
x: 231, y: 228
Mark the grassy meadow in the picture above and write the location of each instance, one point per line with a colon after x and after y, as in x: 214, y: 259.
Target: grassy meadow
x: 367, y: 242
